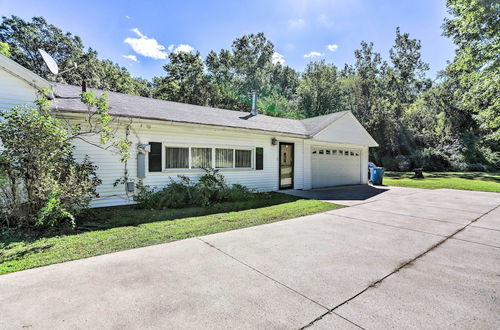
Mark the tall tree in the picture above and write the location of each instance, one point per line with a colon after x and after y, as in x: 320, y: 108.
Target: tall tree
x: 368, y: 97
x: 406, y: 80
x: 284, y: 80
x: 319, y: 90
x: 408, y: 67
x: 474, y: 26
x: 244, y: 68
x: 185, y: 80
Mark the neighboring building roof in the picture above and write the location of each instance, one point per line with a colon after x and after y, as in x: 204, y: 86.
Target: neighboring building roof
x: 21, y: 72
x: 67, y: 98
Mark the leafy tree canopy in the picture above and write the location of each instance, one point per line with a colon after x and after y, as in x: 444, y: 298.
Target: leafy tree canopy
x: 474, y: 26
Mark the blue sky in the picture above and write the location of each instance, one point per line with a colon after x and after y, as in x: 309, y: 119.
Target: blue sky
x: 301, y: 30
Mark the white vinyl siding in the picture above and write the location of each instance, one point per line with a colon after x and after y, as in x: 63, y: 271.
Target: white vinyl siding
x: 14, y: 91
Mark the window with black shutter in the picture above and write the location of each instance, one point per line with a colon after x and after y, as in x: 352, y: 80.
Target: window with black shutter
x: 155, y: 157
x: 259, y: 158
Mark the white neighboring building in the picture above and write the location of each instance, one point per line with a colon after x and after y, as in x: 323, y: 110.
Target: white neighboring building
x: 262, y: 152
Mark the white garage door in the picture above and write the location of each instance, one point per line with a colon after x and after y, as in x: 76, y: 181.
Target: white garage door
x: 335, y: 166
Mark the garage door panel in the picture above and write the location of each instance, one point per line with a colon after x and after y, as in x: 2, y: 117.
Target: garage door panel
x: 333, y: 167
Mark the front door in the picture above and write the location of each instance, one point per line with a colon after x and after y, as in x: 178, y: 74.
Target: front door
x: 286, y: 165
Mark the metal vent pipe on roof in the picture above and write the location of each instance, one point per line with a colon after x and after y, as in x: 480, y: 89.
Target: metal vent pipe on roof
x: 254, y: 100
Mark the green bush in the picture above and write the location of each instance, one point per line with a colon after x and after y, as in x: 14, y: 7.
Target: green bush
x: 210, y: 189
x: 41, y: 182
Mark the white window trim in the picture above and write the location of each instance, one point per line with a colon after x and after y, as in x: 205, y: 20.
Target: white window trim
x: 213, y: 147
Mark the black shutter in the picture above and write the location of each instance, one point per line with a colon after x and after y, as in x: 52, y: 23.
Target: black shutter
x: 259, y: 158
x: 155, y: 157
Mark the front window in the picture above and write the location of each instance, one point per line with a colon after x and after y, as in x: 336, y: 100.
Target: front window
x: 224, y: 158
x: 207, y: 157
x: 243, y: 158
x: 201, y: 157
x: 176, y: 157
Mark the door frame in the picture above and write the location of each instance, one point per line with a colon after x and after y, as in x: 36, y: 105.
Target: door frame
x: 279, y: 165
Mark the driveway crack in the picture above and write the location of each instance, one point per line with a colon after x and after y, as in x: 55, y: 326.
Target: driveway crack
x: 263, y: 274
x: 377, y: 282
x: 278, y: 282
x: 387, y: 225
x: 403, y: 214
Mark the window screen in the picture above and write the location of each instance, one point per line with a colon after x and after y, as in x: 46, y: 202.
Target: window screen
x: 176, y: 157
x: 201, y: 157
x: 223, y: 158
x: 243, y: 158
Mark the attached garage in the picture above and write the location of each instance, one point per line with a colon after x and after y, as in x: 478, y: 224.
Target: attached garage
x: 333, y: 166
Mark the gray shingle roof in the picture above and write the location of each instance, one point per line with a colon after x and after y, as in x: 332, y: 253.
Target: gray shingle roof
x: 67, y: 99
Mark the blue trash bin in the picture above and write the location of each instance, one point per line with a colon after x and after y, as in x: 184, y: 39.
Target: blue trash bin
x: 377, y: 175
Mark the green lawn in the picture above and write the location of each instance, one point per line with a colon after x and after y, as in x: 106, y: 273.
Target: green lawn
x: 478, y: 181
x: 125, y: 228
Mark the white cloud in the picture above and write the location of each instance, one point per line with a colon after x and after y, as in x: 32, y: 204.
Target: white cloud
x: 278, y: 58
x: 130, y: 57
x: 183, y: 48
x: 127, y: 17
x: 313, y: 54
x: 136, y: 31
x: 332, y: 47
x: 296, y: 23
x: 146, y: 46
x: 170, y: 47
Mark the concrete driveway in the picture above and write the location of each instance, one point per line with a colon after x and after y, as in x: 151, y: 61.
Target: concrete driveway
x: 400, y: 258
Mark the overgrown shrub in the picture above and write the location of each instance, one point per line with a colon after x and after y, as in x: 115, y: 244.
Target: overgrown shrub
x: 42, y: 183
x: 211, y: 188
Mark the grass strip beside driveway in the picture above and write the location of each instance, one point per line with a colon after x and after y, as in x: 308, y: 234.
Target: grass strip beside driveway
x: 476, y: 181
x: 24, y: 254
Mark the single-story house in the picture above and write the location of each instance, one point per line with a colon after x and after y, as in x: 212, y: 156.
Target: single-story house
x: 169, y: 138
